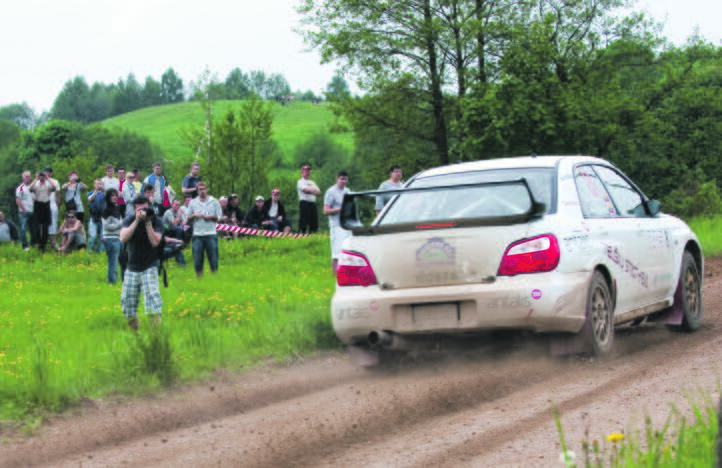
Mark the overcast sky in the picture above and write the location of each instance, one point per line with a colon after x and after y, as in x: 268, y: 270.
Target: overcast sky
x: 45, y: 43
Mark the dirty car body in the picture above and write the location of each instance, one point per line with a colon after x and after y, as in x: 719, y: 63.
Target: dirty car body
x: 562, y: 245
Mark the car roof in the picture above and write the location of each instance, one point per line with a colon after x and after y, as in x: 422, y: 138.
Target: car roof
x: 507, y: 163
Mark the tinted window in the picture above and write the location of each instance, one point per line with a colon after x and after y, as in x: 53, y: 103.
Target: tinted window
x: 626, y: 197
x: 593, y: 197
x: 476, y: 202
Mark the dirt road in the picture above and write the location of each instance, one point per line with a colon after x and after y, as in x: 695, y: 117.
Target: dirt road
x: 472, y: 409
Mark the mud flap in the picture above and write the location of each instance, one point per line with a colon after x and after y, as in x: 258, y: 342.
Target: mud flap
x: 363, y: 357
x: 673, y: 315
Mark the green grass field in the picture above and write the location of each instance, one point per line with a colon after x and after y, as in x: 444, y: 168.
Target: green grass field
x: 292, y: 124
x: 63, y: 336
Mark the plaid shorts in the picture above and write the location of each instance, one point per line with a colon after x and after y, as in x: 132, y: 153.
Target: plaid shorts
x: 130, y: 296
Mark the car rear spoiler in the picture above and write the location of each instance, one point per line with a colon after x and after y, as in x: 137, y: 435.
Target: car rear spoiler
x: 351, y: 221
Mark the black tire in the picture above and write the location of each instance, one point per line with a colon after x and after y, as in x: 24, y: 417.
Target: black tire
x: 689, y: 291
x: 598, y: 330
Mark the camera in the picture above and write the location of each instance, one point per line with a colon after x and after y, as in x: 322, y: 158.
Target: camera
x: 149, y: 213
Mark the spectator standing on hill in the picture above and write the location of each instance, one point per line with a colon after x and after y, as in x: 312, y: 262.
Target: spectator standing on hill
x: 307, y: 192
x: 109, y: 181
x: 73, y: 233
x: 157, y: 180
x: 43, y: 190
x: 121, y: 183
x: 54, y: 205
x: 141, y: 234
x: 190, y: 181
x: 25, y: 201
x: 203, y: 213
x: 8, y: 230
x: 73, y: 190
x: 96, y: 203
x: 112, y: 220
x: 255, y: 217
x: 129, y: 194
x: 274, y: 210
x: 138, y: 181
x: 332, y: 202
x: 394, y: 182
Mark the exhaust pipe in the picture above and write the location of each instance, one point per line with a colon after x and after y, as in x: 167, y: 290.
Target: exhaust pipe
x: 380, y: 338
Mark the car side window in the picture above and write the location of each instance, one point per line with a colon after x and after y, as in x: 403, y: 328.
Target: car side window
x: 628, y: 200
x: 593, y: 197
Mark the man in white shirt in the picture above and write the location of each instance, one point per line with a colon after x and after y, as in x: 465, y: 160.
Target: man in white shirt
x: 25, y: 201
x: 394, y: 182
x: 109, y: 181
x: 43, y: 191
x: 307, y: 209
x: 204, y: 212
x: 54, y: 204
x: 332, y: 202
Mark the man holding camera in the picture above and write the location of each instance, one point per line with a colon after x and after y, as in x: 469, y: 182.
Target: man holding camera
x: 43, y: 189
x: 141, y: 234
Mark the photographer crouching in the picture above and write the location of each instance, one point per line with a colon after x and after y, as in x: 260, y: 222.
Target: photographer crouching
x: 141, y: 234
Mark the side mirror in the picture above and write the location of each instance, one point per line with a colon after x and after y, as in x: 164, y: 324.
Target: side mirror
x: 653, y: 208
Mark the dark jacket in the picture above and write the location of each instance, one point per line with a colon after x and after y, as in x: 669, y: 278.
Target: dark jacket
x: 255, y: 216
x: 267, y: 208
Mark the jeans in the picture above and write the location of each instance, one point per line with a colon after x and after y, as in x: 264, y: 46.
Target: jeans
x: 209, y: 245
x: 26, y: 227
x: 112, y: 250
x: 95, y: 234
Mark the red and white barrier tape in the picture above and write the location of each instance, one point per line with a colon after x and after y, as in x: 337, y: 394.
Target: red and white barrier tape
x: 258, y: 232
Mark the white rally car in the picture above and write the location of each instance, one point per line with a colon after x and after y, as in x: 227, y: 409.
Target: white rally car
x: 564, y: 245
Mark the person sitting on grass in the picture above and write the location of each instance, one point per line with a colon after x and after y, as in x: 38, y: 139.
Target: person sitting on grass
x: 256, y: 218
x: 274, y: 210
x: 8, y: 230
x: 73, y: 233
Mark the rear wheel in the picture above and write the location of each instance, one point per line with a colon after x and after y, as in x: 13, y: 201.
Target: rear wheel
x: 598, y: 329
x: 689, y: 291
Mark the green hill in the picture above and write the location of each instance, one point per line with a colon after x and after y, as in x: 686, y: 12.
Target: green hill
x: 292, y: 124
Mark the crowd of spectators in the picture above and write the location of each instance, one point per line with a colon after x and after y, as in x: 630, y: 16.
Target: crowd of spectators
x: 190, y: 218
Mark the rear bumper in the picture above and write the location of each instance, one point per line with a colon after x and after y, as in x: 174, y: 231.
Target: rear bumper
x: 546, y: 302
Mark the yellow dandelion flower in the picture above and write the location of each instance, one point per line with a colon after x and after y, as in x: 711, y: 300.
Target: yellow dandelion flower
x: 615, y: 437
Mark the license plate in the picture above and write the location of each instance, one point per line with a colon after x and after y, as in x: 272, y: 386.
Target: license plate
x: 436, y: 315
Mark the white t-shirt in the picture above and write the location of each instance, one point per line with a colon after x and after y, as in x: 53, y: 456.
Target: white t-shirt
x: 334, y: 199
x: 211, y: 206
x: 23, y: 193
x: 306, y: 183
x: 110, y: 182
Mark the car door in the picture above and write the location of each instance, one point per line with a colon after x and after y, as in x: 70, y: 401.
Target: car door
x: 647, y: 252
x: 611, y: 232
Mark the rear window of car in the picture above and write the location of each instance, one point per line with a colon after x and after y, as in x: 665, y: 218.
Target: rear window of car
x: 472, y: 202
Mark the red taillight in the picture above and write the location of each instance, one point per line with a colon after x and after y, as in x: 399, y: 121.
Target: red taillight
x: 354, y: 270
x: 534, y: 255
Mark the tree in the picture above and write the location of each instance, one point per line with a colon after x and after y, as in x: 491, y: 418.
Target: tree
x: 128, y: 95
x: 337, y: 88
x: 171, y: 87
x: 71, y: 102
x: 243, y: 150
x: 21, y: 114
x: 152, y: 93
x: 258, y: 83
x: 277, y: 87
x: 237, y: 84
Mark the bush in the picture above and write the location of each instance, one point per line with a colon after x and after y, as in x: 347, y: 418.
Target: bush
x: 694, y: 199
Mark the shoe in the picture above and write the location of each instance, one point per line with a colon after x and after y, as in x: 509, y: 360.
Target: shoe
x: 133, y: 324
x: 25, y: 249
x: 155, y: 320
